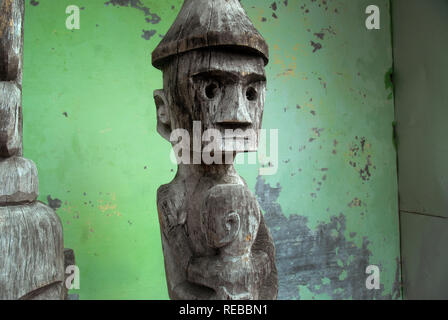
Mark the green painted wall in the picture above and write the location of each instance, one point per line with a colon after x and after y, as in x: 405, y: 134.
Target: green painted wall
x: 89, y: 124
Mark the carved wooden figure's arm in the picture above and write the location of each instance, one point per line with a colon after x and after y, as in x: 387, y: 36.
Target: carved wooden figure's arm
x: 176, y: 248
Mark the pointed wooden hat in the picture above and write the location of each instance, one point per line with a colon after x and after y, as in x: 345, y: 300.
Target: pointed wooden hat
x: 210, y: 23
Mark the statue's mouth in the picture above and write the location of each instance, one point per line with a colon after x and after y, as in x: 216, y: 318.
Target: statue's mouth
x: 234, y: 125
x: 237, y: 131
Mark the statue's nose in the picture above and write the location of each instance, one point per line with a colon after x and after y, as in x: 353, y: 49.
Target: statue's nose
x: 233, y: 109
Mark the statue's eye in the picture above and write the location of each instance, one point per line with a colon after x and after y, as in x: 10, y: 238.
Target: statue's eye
x: 211, y: 90
x: 251, y: 94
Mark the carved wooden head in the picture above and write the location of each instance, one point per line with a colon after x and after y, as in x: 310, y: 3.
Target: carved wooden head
x: 213, y: 62
x: 224, y: 90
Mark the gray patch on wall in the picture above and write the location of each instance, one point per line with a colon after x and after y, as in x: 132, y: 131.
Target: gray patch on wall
x: 147, y: 34
x: 323, y: 260
x: 54, y: 203
x: 136, y: 4
x: 316, y: 46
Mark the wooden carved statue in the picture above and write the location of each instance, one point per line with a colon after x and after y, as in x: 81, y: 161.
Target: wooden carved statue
x: 216, y: 244
x: 31, y: 243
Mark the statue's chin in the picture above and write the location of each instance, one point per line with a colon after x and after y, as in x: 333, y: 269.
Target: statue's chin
x: 237, y: 144
x: 238, y: 149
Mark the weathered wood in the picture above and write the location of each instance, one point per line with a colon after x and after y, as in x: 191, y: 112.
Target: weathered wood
x: 210, y: 23
x: 31, y: 244
x: 10, y: 119
x: 19, y: 182
x: 54, y: 291
x: 185, y: 95
x: 11, y: 40
x: 31, y: 251
x: 230, y: 218
x: 215, y: 242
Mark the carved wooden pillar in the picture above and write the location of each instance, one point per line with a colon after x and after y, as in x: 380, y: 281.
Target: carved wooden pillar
x: 31, y: 243
x: 215, y: 241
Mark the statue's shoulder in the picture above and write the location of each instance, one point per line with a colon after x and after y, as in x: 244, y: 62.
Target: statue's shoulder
x: 164, y: 192
x: 170, y: 201
x: 173, y: 191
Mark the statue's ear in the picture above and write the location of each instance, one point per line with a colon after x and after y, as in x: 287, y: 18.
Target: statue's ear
x: 163, y: 114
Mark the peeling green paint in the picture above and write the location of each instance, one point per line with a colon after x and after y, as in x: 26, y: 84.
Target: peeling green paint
x: 89, y: 124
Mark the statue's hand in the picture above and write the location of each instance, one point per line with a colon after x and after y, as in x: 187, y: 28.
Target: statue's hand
x: 204, y: 270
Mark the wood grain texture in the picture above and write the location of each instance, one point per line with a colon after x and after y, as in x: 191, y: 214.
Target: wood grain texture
x: 10, y: 119
x: 31, y: 243
x: 197, y: 267
x: 230, y: 218
x: 11, y: 40
x: 210, y: 23
x: 19, y: 182
x: 233, y: 74
x: 32, y: 253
